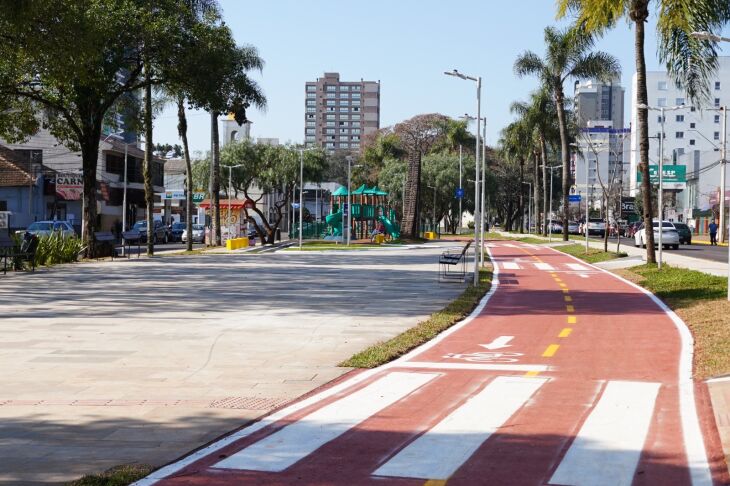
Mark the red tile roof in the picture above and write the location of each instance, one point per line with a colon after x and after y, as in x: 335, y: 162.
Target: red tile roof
x: 13, y: 169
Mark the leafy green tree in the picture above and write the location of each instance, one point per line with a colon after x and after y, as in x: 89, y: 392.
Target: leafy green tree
x: 270, y: 171
x: 568, y: 55
x: 691, y: 61
x: 516, y: 147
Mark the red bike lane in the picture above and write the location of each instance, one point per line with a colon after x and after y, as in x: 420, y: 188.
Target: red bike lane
x: 568, y: 375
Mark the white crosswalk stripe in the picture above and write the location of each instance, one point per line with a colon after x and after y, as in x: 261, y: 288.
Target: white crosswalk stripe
x: 299, y: 439
x: 510, y: 265
x: 577, y: 266
x: 607, y: 449
x: 438, y: 453
x: 544, y: 266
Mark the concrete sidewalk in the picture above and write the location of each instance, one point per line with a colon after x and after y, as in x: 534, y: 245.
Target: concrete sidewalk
x: 144, y: 360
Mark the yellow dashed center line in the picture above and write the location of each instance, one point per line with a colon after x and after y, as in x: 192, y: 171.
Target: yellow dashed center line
x: 572, y: 320
x: 554, y: 275
x: 532, y: 373
x: 558, y: 280
x: 563, y: 285
x: 565, y: 291
x: 565, y: 332
x: 550, y: 351
x: 568, y: 298
x: 569, y: 308
x: 435, y: 482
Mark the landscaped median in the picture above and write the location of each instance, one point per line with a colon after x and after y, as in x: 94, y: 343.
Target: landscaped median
x: 438, y: 322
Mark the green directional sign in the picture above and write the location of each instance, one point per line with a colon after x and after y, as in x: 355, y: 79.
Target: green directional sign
x: 674, y: 176
x: 198, y: 197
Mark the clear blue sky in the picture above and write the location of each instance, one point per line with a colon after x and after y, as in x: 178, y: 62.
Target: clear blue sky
x: 406, y: 44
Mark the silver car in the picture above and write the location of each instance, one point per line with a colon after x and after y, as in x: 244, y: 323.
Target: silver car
x: 670, y: 236
x: 198, y: 234
x: 45, y: 228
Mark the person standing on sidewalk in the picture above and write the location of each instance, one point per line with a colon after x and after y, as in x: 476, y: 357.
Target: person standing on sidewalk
x: 713, y: 232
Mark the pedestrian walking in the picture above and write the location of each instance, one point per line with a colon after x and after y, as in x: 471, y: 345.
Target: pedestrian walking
x: 713, y: 233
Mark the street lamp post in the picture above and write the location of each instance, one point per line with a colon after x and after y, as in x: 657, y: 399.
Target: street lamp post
x: 483, y: 179
x: 434, y: 204
x: 461, y: 186
x: 349, y: 202
x: 230, y: 177
x: 662, y: 110
x: 478, y: 81
x: 550, y: 224
x: 301, y: 192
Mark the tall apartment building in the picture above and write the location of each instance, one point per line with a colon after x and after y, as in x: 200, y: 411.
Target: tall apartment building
x: 692, y: 137
x: 596, y: 100
x: 338, y: 114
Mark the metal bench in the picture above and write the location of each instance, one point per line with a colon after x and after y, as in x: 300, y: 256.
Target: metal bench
x: 129, y: 238
x: 105, y: 240
x: 26, y: 252
x: 452, y: 263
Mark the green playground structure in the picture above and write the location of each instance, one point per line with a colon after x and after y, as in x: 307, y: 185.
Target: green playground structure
x: 369, y: 206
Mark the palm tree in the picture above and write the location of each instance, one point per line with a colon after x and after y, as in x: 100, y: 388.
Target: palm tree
x: 691, y: 61
x: 516, y: 147
x: 568, y: 55
x: 540, y: 114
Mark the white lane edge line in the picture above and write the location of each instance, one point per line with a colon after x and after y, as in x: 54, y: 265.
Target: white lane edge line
x: 694, y: 445
x: 475, y: 366
x: 182, y: 463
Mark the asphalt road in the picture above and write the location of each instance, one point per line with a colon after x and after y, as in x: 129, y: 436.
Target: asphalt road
x: 707, y: 252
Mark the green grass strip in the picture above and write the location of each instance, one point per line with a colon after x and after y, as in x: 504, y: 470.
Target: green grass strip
x: 593, y: 256
x: 116, y: 476
x: 439, y: 321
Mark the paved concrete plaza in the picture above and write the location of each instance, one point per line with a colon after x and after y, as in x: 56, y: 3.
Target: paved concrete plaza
x: 143, y: 360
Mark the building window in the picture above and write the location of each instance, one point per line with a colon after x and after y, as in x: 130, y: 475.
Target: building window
x: 311, y: 124
x: 356, y: 131
x: 717, y: 85
x: 344, y: 87
x: 692, y: 109
x: 330, y: 145
x: 356, y: 96
x: 679, y: 101
x: 330, y: 124
x: 310, y: 117
x: 311, y: 103
x: 311, y: 88
x: 310, y: 138
x: 344, y: 108
x: 661, y: 102
x: 331, y: 102
x: 717, y: 135
x: 691, y: 125
x: 344, y: 145
x: 311, y: 95
x: 331, y: 96
x: 331, y: 108
x: 679, y: 118
x: 356, y: 124
x: 679, y: 135
x: 717, y: 102
x: 344, y: 95
x: 356, y: 138
x: 662, y: 85
x: 659, y: 119
x: 311, y: 109
x: 344, y: 139
x: 355, y: 108
x: 330, y: 131
x: 343, y: 130
x: 356, y: 88
x: 717, y: 118
x: 330, y: 88
x: 344, y: 102
x: 330, y: 116
x: 310, y: 131
x: 692, y: 141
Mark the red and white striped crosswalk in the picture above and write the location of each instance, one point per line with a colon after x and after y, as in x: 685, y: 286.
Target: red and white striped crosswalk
x: 559, y: 380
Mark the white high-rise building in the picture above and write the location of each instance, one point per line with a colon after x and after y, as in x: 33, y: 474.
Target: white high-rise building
x: 692, y: 137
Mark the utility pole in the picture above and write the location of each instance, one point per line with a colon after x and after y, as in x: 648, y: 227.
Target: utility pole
x: 723, y: 171
x: 461, y: 188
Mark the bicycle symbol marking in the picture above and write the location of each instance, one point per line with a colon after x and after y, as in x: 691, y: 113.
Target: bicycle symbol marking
x: 486, y: 357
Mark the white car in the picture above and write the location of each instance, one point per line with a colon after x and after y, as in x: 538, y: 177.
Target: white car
x: 670, y: 236
x: 46, y: 228
x: 198, y: 234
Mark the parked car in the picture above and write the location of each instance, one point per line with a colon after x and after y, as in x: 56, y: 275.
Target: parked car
x: 685, y: 234
x: 670, y: 237
x: 556, y: 227
x: 595, y: 226
x: 45, y: 228
x: 160, y: 231
x: 573, y: 228
x: 176, y: 231
x: 198, y: 234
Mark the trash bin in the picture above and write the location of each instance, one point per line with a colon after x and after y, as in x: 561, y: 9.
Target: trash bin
x: 278, y: 234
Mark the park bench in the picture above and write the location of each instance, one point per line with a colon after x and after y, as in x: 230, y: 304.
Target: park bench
x: 105, y: 244
x: 452, y: 263
x: 129, y: 238
x: 26, y: 252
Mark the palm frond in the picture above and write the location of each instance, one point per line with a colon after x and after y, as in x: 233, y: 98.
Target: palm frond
x: 595, y: 65
x: 529, y: 63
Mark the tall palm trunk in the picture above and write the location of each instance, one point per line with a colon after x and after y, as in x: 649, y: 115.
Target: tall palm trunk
x: 148, y: 161
x: 215, y: 180
x: 411, y: 213
x: 639, y: 14
x: 521, y: 203
x: 545, y: 196
x: 564, y: 154
x: 182, y: 130
x: 536, y: 193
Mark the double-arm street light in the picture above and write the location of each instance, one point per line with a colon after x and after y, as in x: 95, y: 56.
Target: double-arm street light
x: 477, y: 217
x: 661, y: 110
x: 483, y: 179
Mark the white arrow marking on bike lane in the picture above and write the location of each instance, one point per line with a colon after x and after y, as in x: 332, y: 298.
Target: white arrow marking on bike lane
x: 498, y: 343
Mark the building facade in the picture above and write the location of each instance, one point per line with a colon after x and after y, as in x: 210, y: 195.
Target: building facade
x: 692, y: 138
x: 339, y: 114
x: 596, y: 100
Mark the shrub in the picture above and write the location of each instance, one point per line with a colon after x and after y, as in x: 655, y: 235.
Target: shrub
x: 57, y: 248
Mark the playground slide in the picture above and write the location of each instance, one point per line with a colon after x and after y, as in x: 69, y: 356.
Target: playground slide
x: 335, y: 220
x: 391, y: 228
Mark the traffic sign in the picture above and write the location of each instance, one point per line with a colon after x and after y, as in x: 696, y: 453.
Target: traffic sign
x: 460, y: 193
x: 574, y: 198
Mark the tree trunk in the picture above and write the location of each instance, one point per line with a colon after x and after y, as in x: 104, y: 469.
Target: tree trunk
x: 411, y: 216
x: 564, y: 154
x: 215, y: 181
x: 149, y: 195
x: 182, y: 130
x: 545, y: 194
x: 536, y: 194
x: 639, y: 16
x: 90, y: 159
x: 521, y: 203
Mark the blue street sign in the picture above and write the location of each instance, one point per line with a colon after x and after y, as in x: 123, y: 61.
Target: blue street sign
x: 460, y: 193
x: 295, y: 205
x: 573, y: 197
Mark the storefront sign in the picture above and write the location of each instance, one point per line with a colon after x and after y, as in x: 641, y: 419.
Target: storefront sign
x: 174, y: 195
x: 69, y: 186
x: 673, y: 176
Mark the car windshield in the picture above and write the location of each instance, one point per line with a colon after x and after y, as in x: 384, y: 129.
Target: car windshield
x: 140, y: 224
x: 198, y: 227
x: 681, y: 226
x: 40, y: 227
x: 178, y: 226
x: 665, y: 224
